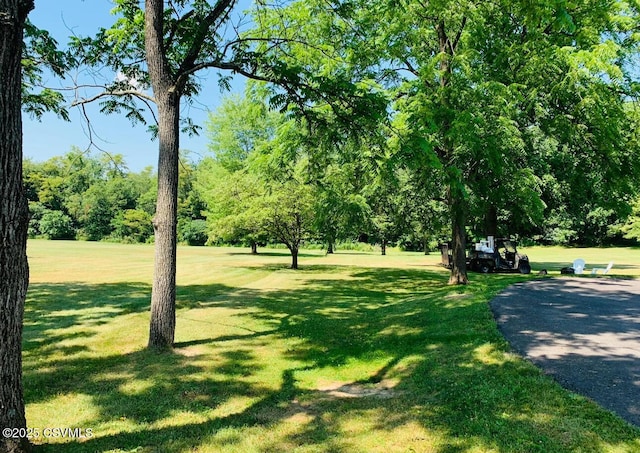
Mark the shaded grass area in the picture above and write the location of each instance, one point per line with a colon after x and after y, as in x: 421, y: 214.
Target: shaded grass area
x: 332, y: 358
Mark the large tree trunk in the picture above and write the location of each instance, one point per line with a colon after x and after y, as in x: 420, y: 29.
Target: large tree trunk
x: 457, y: 207
x: 254, y: 248
x: 14, y: 214
x: 163, y: 295
x: 491, y: 221
x: 294, y: 258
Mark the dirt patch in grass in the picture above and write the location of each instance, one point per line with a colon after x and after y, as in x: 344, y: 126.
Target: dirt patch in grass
x: 383, y: 389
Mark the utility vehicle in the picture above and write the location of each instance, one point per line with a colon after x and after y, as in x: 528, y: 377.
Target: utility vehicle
x: 491, y: 255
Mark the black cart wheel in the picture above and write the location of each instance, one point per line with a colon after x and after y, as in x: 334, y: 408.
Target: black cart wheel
x: 485, y: 268
x: 524, y: 268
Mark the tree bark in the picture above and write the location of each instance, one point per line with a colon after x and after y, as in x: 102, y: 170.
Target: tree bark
x: 294, y: 258
x: 491, y: 221
x: 383, y: 246
x: 254, y: 248
x: 14, y: 214
x: 330, y: 247
x: 458, y: 221
x: 163, y: 293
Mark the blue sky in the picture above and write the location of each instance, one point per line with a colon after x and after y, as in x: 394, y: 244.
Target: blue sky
x: 113, y: 133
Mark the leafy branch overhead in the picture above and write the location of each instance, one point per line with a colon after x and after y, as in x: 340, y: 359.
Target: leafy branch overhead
x: 257, y: 44
x: 40, y: 54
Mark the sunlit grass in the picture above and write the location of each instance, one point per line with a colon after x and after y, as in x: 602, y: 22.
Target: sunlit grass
x: 355, y: 352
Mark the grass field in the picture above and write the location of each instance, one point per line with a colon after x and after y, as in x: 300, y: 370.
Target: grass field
x: 355, y: 352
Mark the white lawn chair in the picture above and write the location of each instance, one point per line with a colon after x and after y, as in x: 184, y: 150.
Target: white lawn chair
x: 578, y: 266
x: 604, y: 270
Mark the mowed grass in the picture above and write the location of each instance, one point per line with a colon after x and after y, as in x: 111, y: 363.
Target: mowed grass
x: 354, y: 352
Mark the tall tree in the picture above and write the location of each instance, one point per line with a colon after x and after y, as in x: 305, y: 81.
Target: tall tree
x: 237, y: 130
x: 164, y: 48
x: 14, y: 212
x: 168, y: 86
x: 473, y: 78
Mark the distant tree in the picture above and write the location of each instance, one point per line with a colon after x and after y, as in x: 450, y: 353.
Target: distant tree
x: 191, y: 205
x: 36, y: 211
x: 258, y: 184
x: 238, y: 127
x: 102, y: 202
x: 384, y: 201
x: 340, y: 208
x: 238, y: 131
x: 421, y: 210
x: 236, y: 211
x: 631, y: 228
x: 284, y: 165
x: 290, y: 215
x: 146, y: 186
x: 93, y: 192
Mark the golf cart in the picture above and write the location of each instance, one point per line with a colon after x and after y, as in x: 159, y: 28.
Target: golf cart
x: 491, y: 255
x: 497, y: 255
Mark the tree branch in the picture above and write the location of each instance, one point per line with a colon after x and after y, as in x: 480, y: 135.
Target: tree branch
x: 220, y: 10
x: 118, y: 93
x: 454, y: 45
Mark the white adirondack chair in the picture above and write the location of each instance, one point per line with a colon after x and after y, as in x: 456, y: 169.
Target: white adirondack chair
x: 578, y: 266
x: 604, y: 270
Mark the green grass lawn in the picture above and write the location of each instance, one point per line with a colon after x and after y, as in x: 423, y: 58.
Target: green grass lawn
x: 355, y: 352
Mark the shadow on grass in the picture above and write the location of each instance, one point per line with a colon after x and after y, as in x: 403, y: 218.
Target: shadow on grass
x: 438, y: 343
x: 58, y: 312
x: 272, y: 252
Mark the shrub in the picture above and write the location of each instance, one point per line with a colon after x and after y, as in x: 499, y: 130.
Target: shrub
x: 132, y: 225
x: 57, y: 225
x: 194, y: 232
x: 36, y: 211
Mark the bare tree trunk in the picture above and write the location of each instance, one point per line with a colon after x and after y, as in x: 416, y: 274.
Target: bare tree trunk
x: 14, y: 215
x: 294, y: 258
x: 163, y: 295
x: 254, y: 248
x: 383, y: 246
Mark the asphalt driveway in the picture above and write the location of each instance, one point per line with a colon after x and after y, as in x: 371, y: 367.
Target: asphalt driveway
x: 585, y: 332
